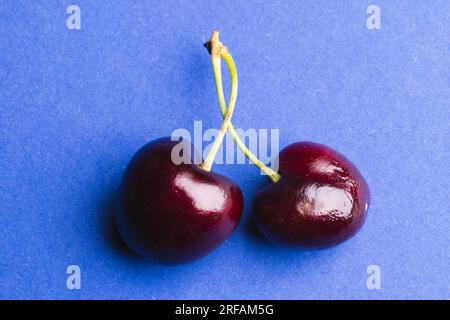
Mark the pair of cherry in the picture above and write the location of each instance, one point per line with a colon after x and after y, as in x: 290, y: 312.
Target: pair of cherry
x: 175, y: 213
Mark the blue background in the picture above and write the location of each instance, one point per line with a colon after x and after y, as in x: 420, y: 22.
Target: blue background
x: 76, y: 104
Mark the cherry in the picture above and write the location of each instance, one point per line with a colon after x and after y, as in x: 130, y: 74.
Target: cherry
x: 320, y: 201
x: 174, y: 213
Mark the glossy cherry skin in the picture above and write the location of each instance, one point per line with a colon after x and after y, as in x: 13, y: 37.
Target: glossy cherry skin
x: 173, y: 213
x: 320, y: 201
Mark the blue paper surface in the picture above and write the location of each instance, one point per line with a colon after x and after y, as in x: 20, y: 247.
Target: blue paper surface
x: 76, y: 104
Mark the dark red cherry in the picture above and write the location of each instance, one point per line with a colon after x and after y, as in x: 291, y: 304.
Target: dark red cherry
x: 320, y: 201
x: 174, y: 213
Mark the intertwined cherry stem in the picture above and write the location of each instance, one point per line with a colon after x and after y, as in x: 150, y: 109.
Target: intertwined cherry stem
x: 218, y: 52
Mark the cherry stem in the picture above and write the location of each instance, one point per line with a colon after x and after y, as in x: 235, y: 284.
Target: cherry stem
x: 217, y: 49
x: 222, y: 52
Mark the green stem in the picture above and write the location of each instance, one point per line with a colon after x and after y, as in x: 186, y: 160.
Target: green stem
x: 217, y: 49
x: 225, y: 54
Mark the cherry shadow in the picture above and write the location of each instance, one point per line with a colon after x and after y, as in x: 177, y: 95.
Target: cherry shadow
x: 111, y: 233
x: 250, y: 227
x: 253, y: 232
